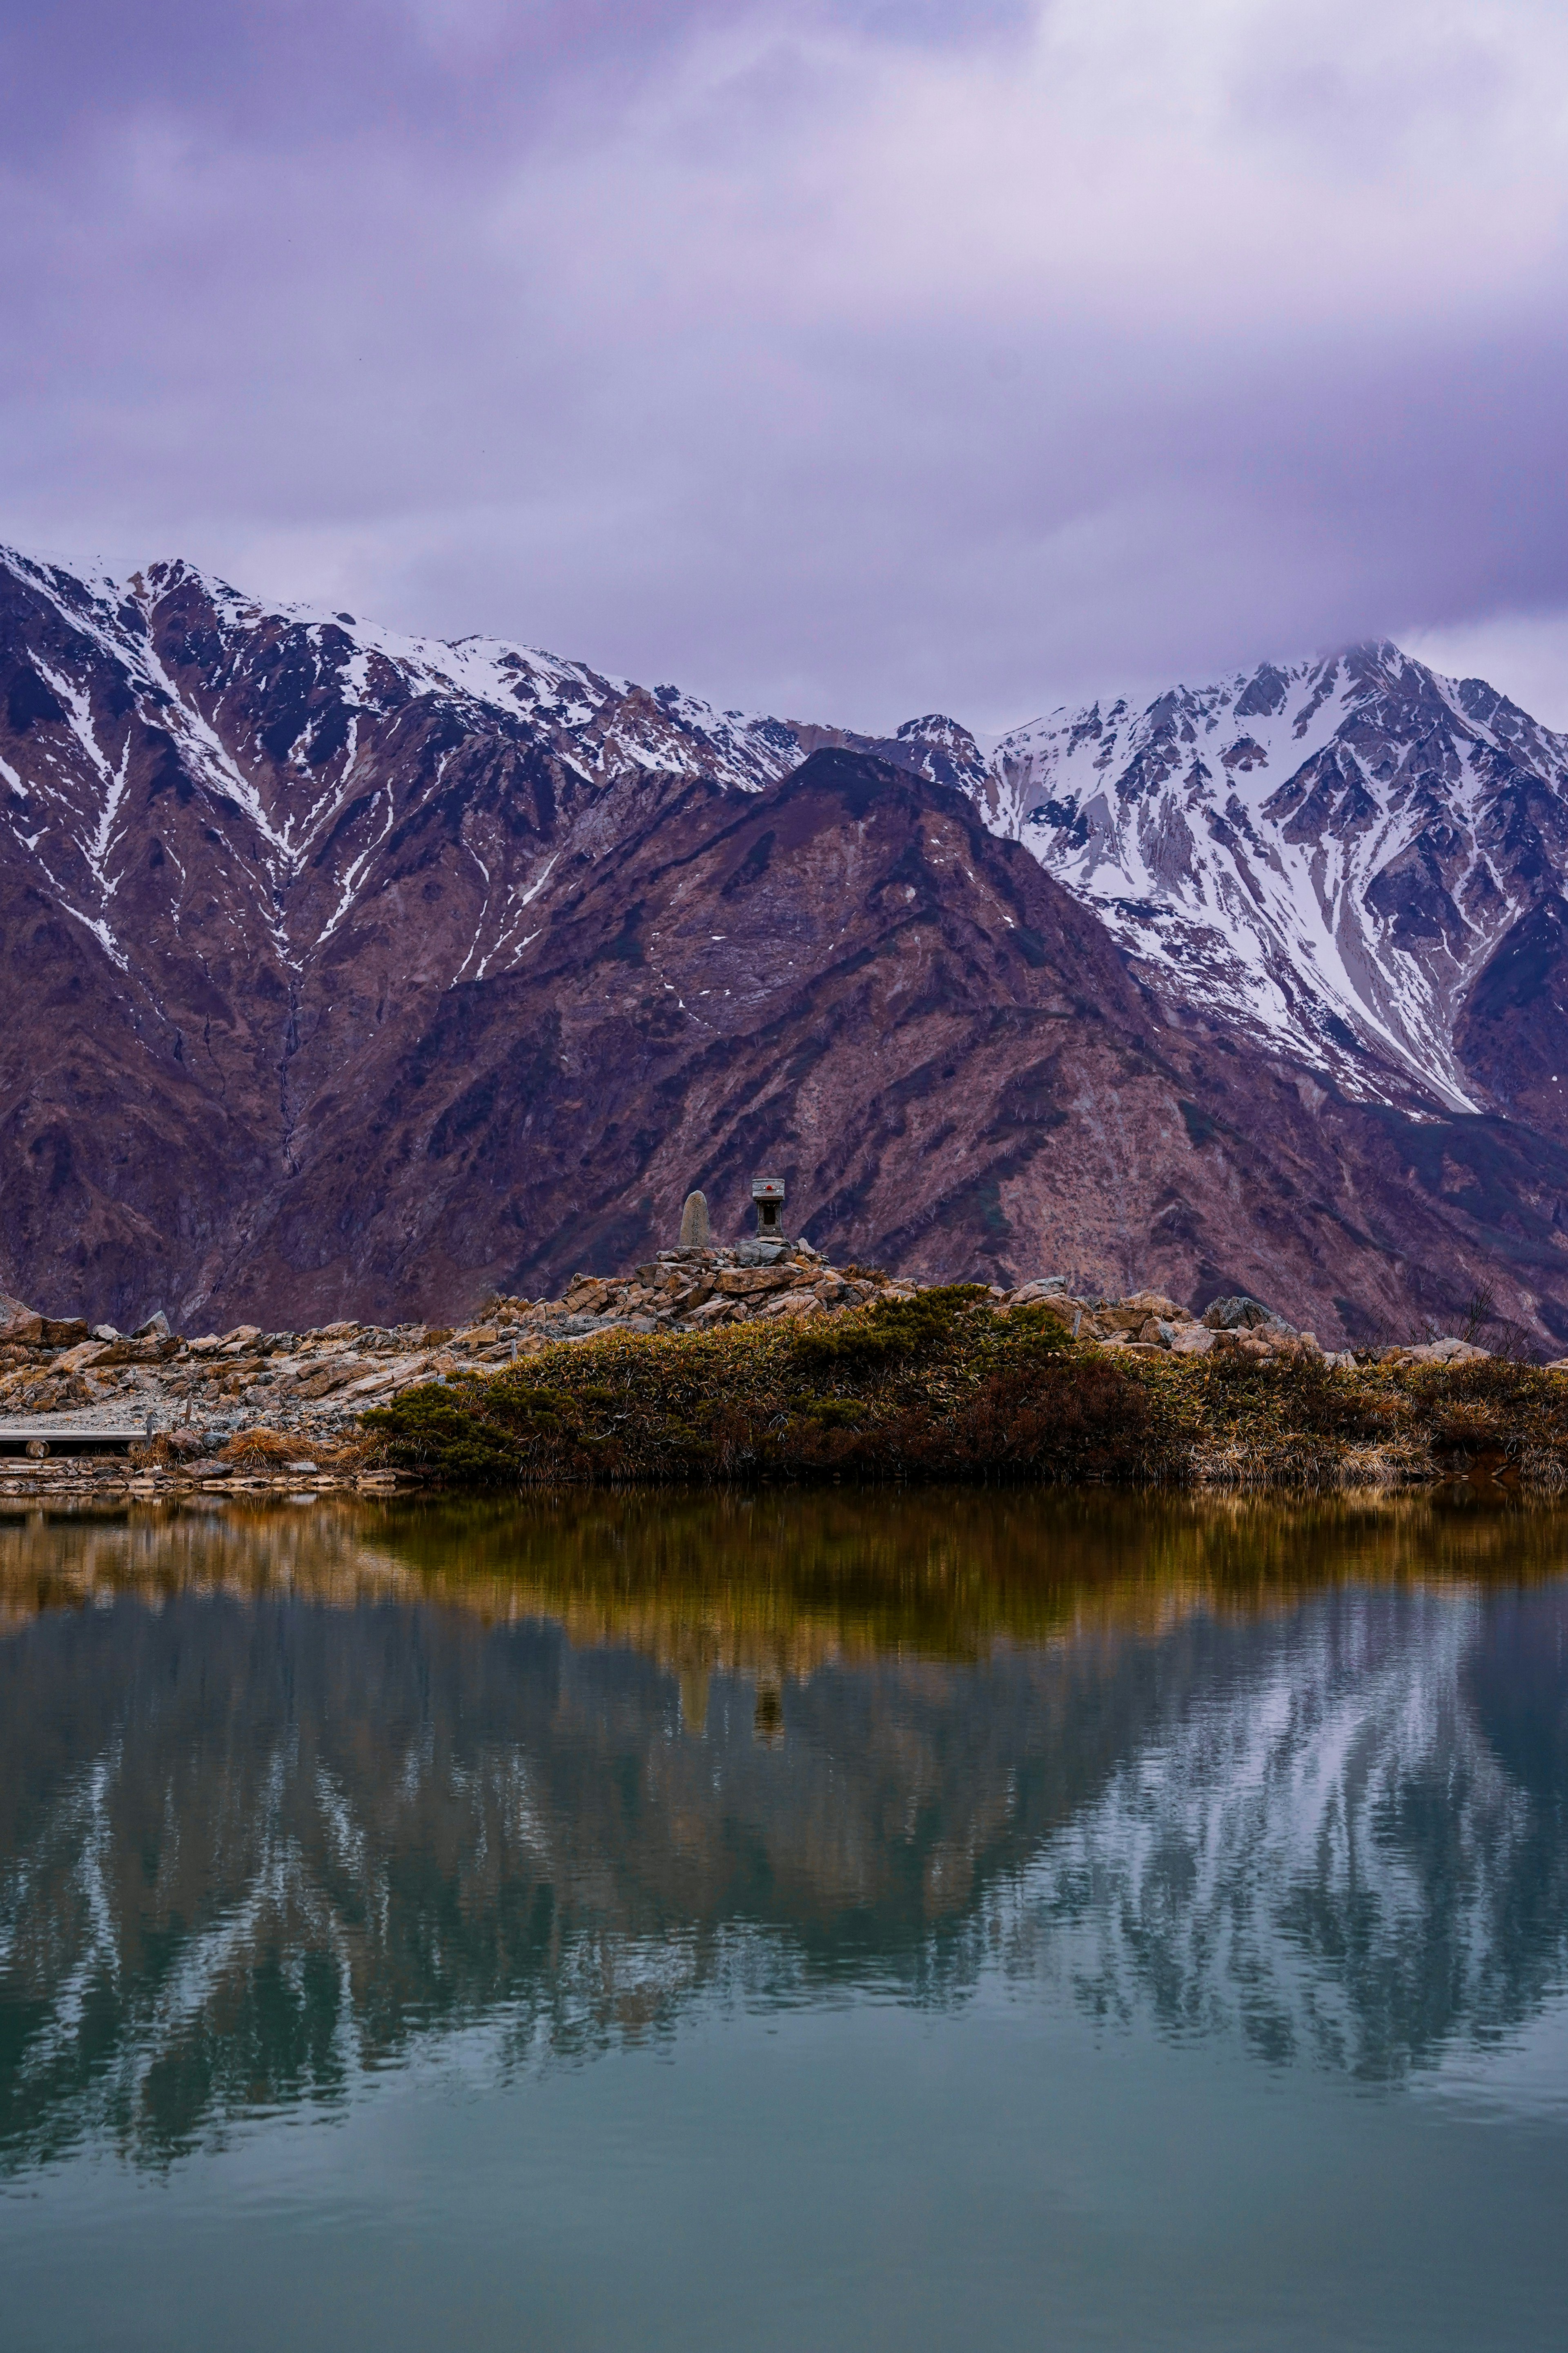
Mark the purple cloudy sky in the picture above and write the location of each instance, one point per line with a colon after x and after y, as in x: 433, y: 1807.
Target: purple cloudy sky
x: 850, y: 358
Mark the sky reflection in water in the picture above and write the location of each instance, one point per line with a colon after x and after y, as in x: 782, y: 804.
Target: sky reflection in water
x: 825, y: 1919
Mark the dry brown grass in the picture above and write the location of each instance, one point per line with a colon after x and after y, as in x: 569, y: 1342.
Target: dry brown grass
x: 262, y: 1449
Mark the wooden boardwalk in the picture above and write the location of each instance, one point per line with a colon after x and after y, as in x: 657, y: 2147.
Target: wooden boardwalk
x: 35, y: 1436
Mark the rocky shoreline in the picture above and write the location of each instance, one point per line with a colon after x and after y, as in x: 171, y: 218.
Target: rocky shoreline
x: 247, y: 1408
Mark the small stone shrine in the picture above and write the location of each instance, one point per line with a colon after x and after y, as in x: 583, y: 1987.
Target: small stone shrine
x: 768, y: 1193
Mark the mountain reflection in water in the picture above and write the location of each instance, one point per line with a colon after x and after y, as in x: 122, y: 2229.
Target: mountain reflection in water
x: 284, y: 1796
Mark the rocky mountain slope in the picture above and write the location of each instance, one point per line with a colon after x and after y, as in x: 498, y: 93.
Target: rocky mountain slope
x: 356, y: 975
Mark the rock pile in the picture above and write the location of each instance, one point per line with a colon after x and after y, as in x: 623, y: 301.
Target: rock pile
x: 694, y: 1289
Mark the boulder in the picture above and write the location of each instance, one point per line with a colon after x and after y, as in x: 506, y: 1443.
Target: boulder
x: 156, y: 1327
x: 760, y: 1253
x: 692, y: 1295
x: 17, y: 1323
x: 63, y: 1331
x: 1242, y: 1314
x: 714, y: 1311
x: 134, y: 1352
x: 795, y: 1302
x: 1155, y: 1303
x: 753, y: 1283
x: 1268, y: 1341
x: 1193, y: 1339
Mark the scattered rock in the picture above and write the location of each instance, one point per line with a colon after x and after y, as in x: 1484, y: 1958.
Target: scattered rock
x: 1435, y: 1351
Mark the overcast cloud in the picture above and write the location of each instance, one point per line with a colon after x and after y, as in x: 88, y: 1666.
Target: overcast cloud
x: 850, y: 360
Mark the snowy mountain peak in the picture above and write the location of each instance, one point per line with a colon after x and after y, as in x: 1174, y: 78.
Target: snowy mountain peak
x: 1327, y: 853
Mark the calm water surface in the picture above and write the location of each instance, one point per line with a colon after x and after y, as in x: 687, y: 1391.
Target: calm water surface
x: 813, y: 1923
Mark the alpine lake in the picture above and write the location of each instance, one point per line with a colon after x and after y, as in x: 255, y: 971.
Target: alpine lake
x: 798, y: 1921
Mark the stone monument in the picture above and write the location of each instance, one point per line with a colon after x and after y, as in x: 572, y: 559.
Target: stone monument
x: 694, y: 1222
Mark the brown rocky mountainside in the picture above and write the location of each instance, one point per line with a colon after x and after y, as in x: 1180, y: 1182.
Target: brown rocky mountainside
x: 355, y: 977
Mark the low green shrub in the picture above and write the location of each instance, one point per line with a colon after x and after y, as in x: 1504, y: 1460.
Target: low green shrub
x: 439, y: 1433
x: 891, y: 1330
x: 938, y: 1386
x: 941, y: 1388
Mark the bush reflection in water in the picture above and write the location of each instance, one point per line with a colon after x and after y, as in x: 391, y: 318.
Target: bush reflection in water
x: 284, y: 1796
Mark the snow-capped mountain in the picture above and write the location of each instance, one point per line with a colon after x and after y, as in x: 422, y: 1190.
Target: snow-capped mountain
x: 313, y: 739
x: 350, y: 973
x: 1326, y: 857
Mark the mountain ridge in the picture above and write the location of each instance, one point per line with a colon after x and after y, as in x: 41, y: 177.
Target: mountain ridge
x: 365, y: 971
